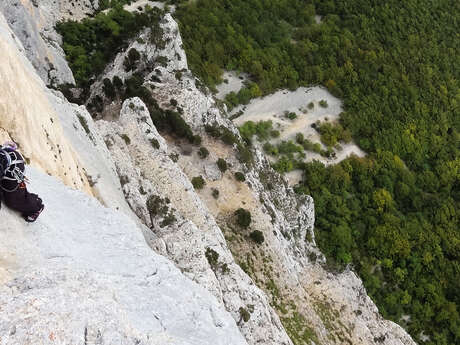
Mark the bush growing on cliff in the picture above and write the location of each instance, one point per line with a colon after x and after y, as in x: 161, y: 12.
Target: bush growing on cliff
x: 243, y: 217
x: 131, y: 60
x: 198, y: 182
x: 93, y: 42
x: 222, y: 165
x: 203, y: 152
x: 257, y: 236
x: 240, y: 176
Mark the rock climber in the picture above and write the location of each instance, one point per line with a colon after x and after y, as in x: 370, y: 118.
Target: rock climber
x: 13, y: 184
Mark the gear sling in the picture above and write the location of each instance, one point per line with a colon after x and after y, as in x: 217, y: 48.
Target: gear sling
x: 13, y: 185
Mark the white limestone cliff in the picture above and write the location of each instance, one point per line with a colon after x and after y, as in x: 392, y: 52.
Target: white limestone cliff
x: 83, y: 274
x: 33, y: 21
x: 125, y: 163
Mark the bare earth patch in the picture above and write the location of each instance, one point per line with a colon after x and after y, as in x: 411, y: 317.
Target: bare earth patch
x: 234, y: 83
x: 274, y: 106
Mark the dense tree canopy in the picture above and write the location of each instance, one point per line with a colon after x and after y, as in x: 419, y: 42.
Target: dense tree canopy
x: 395, y: 64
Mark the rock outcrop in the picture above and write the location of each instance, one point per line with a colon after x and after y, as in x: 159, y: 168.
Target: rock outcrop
x: 276, y: 291
x: 27, y: 115
x: 33, y: 21
x: 83, y: 274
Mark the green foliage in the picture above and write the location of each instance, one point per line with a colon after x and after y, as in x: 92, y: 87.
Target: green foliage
x: 198, y: 182
x: 275, y: 133
x: 117, y: 82
x: 126, y: 139
x: 159, y: 207
x: 131, y: 60
x: 84, y: 124
x: 244, y: 314
x: 203, y: 152
x: 108, y: 88
x: 213, y: 259
x: 290, y: 115
x: 323, y: 103
x: 257, y: 236
x: 155, y: 144
x: 270, y: 149
x: 262, y: 129
x: 394, y: 64
x: 222, y: 165
x: 331, y: 133
x: 244, y: 95
x: 93, y: 42
x: 284, y: 165
x: 240, y: 176
x: 162, y: 119
x: 243, y: 217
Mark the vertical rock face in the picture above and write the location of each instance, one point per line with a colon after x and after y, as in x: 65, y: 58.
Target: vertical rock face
x: 182, y: 227
x: 27, y: 114
x: 32, y: 21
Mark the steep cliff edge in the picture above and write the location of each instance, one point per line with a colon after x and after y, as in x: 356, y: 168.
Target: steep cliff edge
x: 27, y: 115
x: 277, y: 292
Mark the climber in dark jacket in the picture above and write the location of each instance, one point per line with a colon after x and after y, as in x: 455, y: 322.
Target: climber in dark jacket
x: 13, y: 187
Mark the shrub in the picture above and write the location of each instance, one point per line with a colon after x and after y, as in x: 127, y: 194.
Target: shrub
x: 290, y: 115
x: 213, y: 131
x: 198, y: 182
x: 174, y: 156
x: 228, y: 137
x: 311, y: 105
x: 203, y: 152
x: 108, y: 88
x: 131, y: 59
x: 262, y: 129
x: 288, y: 147
x: 244, y: 154
x: 270, y: 149
x: 323, y: 103
x: 244, y: 314
x: 240, y: 176
x: 196, y: 140
x: 117, y: 82
x: 155, y: 143
x: 126, y: 138
x: 332, y: 133
x: 257, y: 236
x: 215, y: 193
x: 299, y: 138
x: 243, y: 217
x: 212, y: 257
x: 222, y: 165
x: 275, y: 133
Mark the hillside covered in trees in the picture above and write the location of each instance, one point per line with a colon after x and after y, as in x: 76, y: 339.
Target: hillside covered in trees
x: 393, y: 215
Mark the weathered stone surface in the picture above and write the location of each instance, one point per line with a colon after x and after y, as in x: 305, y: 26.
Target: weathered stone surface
x: 83, y: 274
x: 27, y: 114
x: 33, y: 24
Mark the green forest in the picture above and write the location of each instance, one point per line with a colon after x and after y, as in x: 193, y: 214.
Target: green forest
x: 394, y: 215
